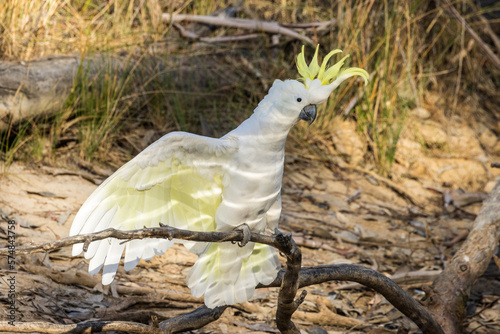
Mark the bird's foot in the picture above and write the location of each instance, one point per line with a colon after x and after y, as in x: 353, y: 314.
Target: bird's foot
x: 245, y: 230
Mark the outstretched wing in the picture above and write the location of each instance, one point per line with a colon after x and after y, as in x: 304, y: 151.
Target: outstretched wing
x: 176, y: 181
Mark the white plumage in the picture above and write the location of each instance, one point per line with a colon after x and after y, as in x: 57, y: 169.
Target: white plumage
x: 205, y: 184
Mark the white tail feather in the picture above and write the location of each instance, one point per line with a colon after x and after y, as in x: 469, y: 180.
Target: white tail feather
x: 228, y: 274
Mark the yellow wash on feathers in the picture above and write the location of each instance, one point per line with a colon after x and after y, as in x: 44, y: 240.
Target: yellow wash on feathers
x: 206, y: 184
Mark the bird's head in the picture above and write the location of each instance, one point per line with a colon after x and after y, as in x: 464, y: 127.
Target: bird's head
x: 300, y: 98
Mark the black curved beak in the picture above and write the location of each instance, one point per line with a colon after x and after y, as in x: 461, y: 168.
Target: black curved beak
x: 308, y: 113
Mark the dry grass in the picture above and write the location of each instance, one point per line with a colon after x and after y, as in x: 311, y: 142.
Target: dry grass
x: 409, y: 48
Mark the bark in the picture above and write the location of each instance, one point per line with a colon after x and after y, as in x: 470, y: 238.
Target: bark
x: 41, y: 87
x: 249, y: 24
x: 193, y: 320
x: 405, y: 303
x: 34, y: 88
x: 449, y: 293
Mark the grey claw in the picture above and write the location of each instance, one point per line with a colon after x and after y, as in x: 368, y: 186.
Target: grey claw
x: 246, y: 234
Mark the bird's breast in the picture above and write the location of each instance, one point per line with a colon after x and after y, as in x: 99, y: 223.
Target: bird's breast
x: 250, y: 186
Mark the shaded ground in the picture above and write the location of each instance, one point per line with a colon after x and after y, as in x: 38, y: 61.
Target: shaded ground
x: 380, y: 228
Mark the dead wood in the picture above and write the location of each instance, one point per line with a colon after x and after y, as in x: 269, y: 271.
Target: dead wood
x: 289, y: 280
x: 34, y: 88
x: 192, y: 320
x: 374, y: 280
x: 82, y: 327
x: 419, y: 277
x: 41, y: 87
x: 167, y: 232
x: 269, y: 27
x: 448, y: 295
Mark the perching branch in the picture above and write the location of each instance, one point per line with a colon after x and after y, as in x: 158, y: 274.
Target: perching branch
x: 167, y: 232
x: 290, y: 282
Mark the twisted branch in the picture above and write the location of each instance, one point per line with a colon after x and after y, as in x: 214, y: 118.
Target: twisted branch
x: 289, y: 280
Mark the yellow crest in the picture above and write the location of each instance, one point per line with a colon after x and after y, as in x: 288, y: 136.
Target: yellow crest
x: 325, y: 75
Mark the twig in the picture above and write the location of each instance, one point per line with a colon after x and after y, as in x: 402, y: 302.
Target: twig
x: 269, y: 27
x: 489, y: 53
x: 192, y: 320
x: 459, y: 237
x: 308, y: 276
x: 308, y: 25
x: 221, y: 39
x: 449, y: 293
x: 287, y: 304
x: 82, y: 327
x: 410, y: 278
x: 487, y: 28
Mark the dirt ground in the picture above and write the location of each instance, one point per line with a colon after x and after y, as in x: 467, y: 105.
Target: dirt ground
x: 337, y: 214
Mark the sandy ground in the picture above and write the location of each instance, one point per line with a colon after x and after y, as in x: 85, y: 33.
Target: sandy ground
x: 381, y: 229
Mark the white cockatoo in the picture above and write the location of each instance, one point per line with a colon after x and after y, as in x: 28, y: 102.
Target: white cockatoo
x: 206, y: 184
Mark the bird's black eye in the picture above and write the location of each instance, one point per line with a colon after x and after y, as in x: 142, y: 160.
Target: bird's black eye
x: 299, y: 99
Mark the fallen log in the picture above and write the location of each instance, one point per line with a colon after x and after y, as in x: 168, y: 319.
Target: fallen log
x: 41, y: 87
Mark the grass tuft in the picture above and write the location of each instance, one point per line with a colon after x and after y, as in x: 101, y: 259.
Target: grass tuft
x: 166, y: 83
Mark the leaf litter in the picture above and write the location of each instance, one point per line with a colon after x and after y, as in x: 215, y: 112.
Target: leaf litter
x: 336, y: 216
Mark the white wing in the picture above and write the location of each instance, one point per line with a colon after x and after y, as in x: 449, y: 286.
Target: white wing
x: 176, y: 181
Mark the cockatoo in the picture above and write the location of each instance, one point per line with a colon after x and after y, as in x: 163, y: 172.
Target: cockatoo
x: 205, y: 184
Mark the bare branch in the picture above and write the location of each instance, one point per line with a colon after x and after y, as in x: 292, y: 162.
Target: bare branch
x: 372, y: 279
x: 292, y: 279
x: 82, y: 327
x: 189, y: 321
x: 311, y: 25
x: 155, y: 232
x: 220, y: 39
x: 192, y: 320
x: 269, y: 27
x: 449, y: 293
